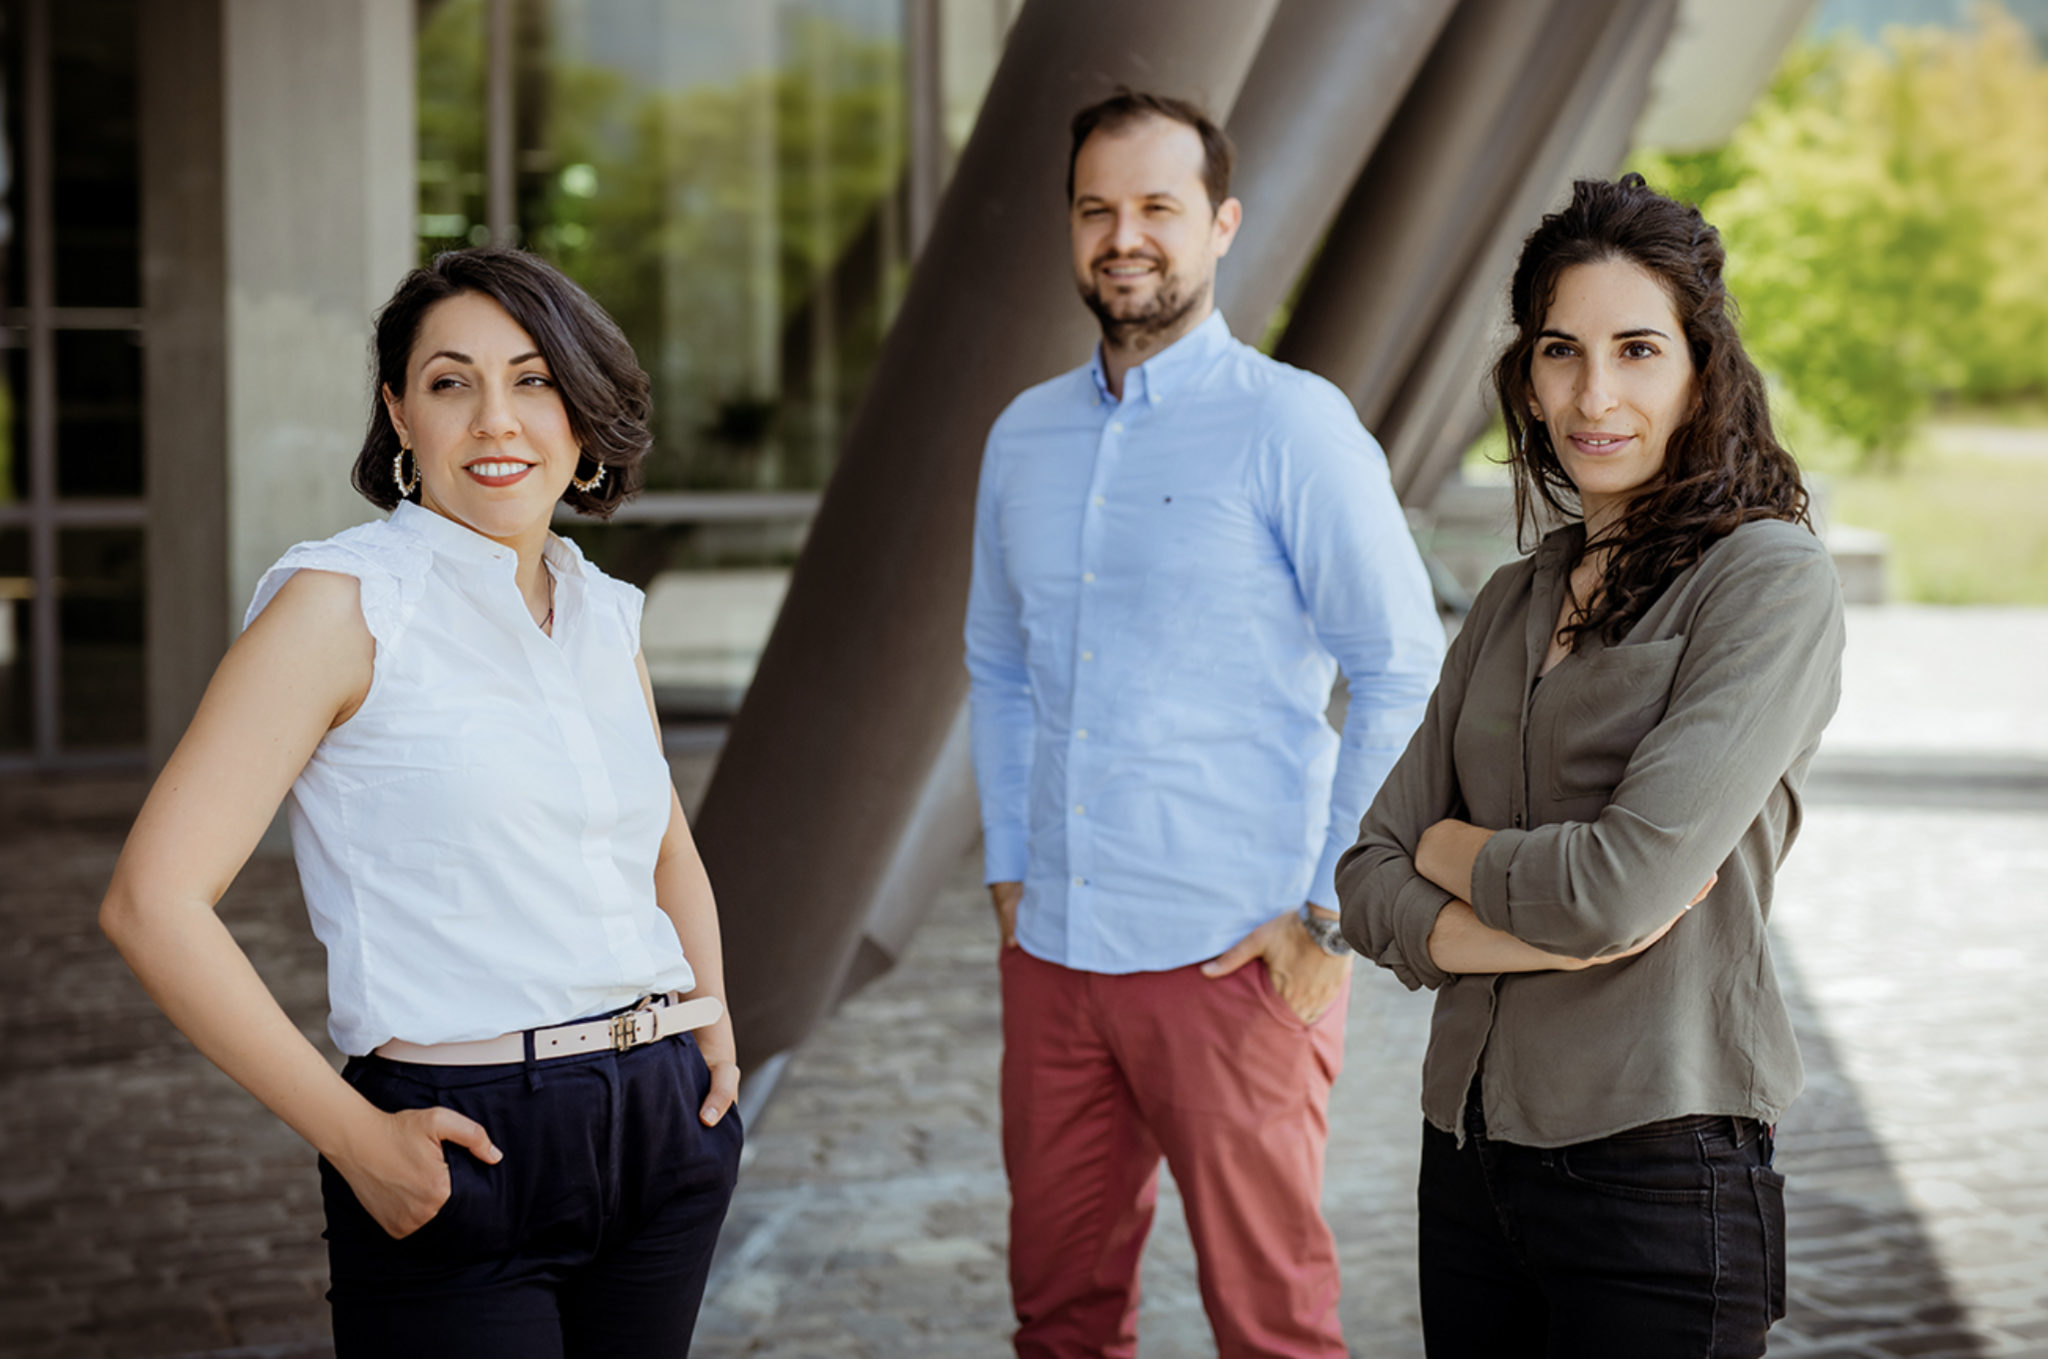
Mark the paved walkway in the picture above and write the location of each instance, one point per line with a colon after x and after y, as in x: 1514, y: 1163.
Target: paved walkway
x: 149, y: 1208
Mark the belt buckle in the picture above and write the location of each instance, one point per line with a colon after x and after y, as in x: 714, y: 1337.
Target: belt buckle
x: 626, y: 1029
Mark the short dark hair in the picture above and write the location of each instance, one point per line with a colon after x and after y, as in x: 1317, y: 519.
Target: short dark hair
x: 1129, y: 106
x: 603, y: 388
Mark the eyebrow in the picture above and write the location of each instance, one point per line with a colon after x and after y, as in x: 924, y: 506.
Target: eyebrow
x: 461, y: 357
x: 1635, y: 334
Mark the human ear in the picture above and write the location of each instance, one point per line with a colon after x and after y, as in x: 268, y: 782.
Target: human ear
x: 394, y: 411
x: 1229, y: 216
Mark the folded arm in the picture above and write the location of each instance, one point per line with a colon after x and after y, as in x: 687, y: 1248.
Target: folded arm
x: 1759, y: 678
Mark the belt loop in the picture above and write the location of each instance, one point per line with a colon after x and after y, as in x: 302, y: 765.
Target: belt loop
x: 532, y: 1063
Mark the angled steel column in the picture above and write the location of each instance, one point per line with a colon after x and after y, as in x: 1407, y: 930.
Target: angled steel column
x: 1435, y: 188
x: 862, y: 679
x: 1440, y: 407
x: 1326, y: 82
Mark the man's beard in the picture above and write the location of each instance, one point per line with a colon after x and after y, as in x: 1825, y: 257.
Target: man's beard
x: 1167, y: 309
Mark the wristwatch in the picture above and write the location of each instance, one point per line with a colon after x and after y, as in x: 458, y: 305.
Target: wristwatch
x: 1328, y: 934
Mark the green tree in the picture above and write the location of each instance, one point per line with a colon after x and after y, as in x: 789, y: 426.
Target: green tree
x: 1885, y: 208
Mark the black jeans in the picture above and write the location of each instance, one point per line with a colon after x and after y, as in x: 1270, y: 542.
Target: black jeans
x: 1665, y: 1240
x: 593, y: 1235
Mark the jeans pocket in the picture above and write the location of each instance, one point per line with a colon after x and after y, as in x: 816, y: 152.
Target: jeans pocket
x: 1648, y: 1170
x: 1769, y: 1187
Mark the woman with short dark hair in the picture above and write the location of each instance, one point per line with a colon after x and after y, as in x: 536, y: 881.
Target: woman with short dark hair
x: 1625, y: 715
x: 531, y: 1147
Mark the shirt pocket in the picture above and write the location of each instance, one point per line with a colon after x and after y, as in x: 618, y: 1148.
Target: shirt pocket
x: 1617, y: 698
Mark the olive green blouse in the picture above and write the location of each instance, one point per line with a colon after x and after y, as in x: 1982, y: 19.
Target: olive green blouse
x: 1618, y: 785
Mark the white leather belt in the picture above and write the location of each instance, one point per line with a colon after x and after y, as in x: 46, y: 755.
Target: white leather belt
x: 648, y: 1022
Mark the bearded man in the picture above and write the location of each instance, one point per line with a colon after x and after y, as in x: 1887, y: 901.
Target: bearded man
x: 1176, y: 546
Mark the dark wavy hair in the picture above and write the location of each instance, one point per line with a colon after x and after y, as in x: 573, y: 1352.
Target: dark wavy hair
x: 1722, y: 468
x: 603, y: 388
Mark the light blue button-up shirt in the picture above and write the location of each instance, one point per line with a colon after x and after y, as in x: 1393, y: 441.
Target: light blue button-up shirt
x: 1164, y: 587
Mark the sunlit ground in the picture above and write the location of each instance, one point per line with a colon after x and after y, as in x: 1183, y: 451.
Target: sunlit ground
x: 1966, y: 512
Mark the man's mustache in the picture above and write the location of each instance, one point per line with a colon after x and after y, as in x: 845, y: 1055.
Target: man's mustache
x: 1133, y: 256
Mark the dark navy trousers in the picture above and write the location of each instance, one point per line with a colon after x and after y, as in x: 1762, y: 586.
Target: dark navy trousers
x: 1664, y: 1240
x: 592, y: 1237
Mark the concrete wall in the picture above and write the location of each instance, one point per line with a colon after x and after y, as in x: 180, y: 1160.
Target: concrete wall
x: 278, y: 207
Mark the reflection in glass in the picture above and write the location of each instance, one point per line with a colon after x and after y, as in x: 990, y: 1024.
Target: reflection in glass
x: 100, y: 626
x: 99, y: 413
x: 13, y: 417
x: 13, y: 289
x: 16, y: 707
x: 725, y: 178
x: 95, y: 189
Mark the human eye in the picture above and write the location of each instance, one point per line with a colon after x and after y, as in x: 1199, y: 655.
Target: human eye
x: 536, y: 380
x: 1639, y: 349
x: 1557, y: 349
x: 446, y: 382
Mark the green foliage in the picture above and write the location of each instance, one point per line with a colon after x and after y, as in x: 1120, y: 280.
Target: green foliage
x: 1885, y: 209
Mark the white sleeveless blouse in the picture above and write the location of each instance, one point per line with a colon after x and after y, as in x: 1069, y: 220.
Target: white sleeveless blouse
x: 477, y: 843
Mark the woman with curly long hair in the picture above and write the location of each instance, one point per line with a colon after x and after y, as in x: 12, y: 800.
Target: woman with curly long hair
x: 1627, y: 714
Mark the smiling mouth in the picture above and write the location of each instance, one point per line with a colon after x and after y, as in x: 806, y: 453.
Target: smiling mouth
x: 498, y: 471
x: 1601, y: 443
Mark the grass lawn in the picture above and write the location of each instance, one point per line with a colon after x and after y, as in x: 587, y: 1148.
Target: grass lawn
x: 1967, y: 516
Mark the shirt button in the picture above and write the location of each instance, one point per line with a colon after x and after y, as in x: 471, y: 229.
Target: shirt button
x: 1088, y: 576
x: 1080, y: 882
x: 1082, y: 734
x: 1116, y: 427
x: 1087, y: 655
x: 1100, y: 501
x: 1080, y: 810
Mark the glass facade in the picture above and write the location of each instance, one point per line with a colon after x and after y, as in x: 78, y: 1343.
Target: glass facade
x: 728, y: 180
x: 71, y: 444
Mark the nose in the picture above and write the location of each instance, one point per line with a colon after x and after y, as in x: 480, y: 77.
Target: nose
x: 1596, y: 389
x: 494, y: 418
x: 1128, y: 234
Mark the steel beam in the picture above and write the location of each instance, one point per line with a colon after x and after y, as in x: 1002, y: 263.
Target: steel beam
x: 1327, y: 80
x: 1435, y: 188
x: 861, y: 683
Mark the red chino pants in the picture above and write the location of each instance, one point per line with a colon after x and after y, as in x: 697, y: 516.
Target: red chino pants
x: 1102, y: 1076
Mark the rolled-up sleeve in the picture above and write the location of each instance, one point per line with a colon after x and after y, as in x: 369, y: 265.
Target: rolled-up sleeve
x: 1759, y: 679
x: 1388, y: 908
x: 999, y: 690
x: 1363, y: 584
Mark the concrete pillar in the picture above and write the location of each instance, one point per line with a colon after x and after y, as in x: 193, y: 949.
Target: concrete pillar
x: 278, y: 212
x: 862, y: 680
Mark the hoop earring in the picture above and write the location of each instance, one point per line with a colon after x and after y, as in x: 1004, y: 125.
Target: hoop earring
x: 405, y: 488
x: 596, y: 480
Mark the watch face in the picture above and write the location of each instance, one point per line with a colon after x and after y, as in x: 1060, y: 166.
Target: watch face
x: 1328, y: 934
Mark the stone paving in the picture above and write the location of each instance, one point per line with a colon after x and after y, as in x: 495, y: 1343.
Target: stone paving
x: 149, y: 1208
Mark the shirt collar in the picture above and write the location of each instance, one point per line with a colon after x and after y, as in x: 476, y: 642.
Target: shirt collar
x: 447, y: 537
x: 1158, y: 377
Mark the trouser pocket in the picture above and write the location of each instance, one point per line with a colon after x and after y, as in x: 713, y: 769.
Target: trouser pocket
x: 1769, y: 1187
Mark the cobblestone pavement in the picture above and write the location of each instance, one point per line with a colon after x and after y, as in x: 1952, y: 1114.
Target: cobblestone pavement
x: 149, y: 1208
